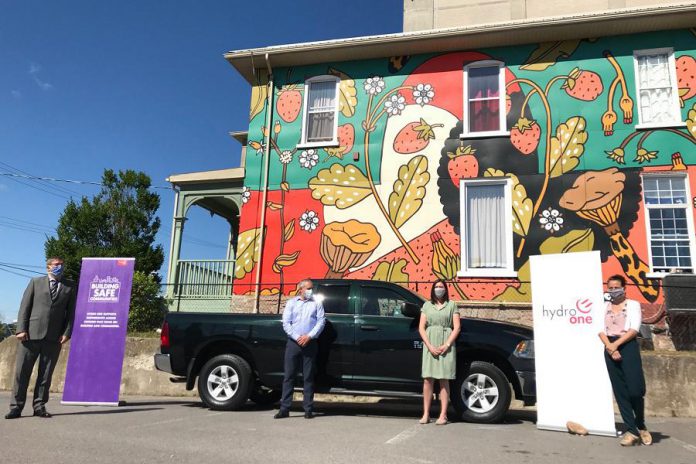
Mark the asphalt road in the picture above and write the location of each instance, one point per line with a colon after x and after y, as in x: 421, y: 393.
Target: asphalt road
x: 158, y: 430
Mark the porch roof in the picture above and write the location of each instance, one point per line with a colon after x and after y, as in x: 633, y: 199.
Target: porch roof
x: 611, y: 22
x: 204, y: 177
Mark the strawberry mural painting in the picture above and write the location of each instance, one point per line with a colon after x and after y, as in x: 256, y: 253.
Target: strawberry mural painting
x: 289, y: 103
x: 414, y: 137
x: 583, y: 85
x: 462, y: 164
x: 686, y: 77
x: 525, y: 135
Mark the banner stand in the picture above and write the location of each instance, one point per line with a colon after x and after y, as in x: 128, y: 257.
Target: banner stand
x: 568, y: 313
x: 98, y: 344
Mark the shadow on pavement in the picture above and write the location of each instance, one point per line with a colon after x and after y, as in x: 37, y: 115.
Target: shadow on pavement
x: 191, y: 402
x: 395, y: 408
x: 110, y: 411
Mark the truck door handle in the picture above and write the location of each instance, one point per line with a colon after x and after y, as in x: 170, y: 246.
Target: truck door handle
x: 369, y: 327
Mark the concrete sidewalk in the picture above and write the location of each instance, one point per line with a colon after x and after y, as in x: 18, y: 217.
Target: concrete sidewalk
x: 165, y: 429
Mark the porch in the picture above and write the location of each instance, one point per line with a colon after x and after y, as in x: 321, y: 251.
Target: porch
x: 204, y: 285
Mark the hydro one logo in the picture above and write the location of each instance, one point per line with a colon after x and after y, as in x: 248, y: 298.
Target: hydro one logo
x: 106, y: 290
x: 580, y: 314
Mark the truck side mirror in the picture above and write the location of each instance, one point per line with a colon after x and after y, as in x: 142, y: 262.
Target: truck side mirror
x: 410, y: 309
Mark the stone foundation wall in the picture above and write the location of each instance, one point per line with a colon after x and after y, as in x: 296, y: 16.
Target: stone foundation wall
x: 670, y: 377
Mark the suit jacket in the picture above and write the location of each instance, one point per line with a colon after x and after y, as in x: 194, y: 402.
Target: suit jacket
x: 43, y: 318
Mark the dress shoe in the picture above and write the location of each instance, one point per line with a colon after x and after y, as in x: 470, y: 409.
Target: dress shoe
x: 13, y: 414
x: 309, y: 415
x: 42, y: 413
x: 645, y: 437
x: 281, y: 414
x: 629, y: 440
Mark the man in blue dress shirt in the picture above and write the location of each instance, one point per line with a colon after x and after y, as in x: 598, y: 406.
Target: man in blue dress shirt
x: 303, y: 321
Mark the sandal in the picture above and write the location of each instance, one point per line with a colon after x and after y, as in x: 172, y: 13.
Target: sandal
x: 441, y: 422
x: 425, y: 420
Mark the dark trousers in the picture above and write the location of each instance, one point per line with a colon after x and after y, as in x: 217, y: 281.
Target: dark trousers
x: 294, y: 353
x: 28, y: 352
x: 628, y: 383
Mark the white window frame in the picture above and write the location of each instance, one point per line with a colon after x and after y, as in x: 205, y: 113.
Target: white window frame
x: 675, y: 91
x: 305, y: 113
x: 509, y: 269
x: 503, y: 131
x: 688, y: 206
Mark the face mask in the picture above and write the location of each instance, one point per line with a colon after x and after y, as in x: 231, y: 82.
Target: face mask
x: 616, y: 295
x: 57, y: 270
x: 439, y: 292
x: 308, y: 293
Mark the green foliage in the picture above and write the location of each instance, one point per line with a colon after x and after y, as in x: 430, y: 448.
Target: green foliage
x: 120, y: 221
x: 147, y: 306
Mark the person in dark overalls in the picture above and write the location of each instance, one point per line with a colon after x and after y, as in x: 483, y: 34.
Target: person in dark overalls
x: 622, y: 355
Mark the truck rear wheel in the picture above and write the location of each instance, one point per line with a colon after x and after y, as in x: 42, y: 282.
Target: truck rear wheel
x: 481, y: 393
x: 224, y: 382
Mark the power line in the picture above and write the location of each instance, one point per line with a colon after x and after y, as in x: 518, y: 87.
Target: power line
x: 71, y: 181
x: 20, y: 268
x: 65, y: 190
x: 12, y: 177
x: 29, y: 223
x: 15, y: 273
x: 23, y: 265
x: 24, y: 228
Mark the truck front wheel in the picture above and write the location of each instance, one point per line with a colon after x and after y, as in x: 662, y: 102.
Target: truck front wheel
x: 224, y: 382
x: 481, y: 393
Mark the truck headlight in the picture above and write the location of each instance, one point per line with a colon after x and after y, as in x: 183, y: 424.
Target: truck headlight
x: 525, y: 349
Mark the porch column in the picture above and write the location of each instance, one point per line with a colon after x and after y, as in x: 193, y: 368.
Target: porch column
x: 175, y: 245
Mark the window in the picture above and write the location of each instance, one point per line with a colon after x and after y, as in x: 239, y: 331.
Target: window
x: 486, y: 227
x: 334, y: 298
x: 484, y: 94
x: 377, y: 301
x: 321, y: 111
x: 669, y: 222
x: 656, y: 88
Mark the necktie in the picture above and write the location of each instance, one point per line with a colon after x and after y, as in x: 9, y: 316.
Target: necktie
x: 54, y: 289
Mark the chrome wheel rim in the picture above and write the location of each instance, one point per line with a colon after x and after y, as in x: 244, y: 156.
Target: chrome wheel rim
x: 223, y: 383
x: 479, y: 393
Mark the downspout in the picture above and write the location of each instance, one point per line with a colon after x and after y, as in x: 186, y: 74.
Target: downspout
x: 267, y: 154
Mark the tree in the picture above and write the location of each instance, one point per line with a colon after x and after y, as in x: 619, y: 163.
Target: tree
x: 120, y: 220
x: 148, y: 307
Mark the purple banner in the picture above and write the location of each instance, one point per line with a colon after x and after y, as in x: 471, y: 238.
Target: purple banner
x: 98, y: 343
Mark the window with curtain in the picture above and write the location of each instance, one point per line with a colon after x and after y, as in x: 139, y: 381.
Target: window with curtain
x: 321, y: 103
x: 484, y: 98
x: 658, y: 102
x: 486, y: 226
x: 670, y: 227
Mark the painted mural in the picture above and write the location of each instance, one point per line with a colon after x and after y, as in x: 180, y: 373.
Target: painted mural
x: 384, y: 203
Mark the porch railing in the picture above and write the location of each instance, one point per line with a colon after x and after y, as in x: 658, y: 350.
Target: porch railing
x: 204, y: 278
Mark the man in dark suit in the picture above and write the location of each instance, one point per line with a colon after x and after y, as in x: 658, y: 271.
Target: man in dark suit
x: 44, y: 323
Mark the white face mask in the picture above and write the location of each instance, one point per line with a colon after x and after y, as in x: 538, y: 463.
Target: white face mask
x: 439, y: 292
x: 308, y: 293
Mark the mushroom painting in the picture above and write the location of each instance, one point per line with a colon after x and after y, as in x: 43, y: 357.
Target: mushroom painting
x: 597, y: 196
x: 347, y: 244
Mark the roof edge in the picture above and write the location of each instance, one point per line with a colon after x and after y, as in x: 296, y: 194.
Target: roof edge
x: 624, y: 21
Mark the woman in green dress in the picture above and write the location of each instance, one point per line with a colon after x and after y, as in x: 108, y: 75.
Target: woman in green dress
x: 439, y: 328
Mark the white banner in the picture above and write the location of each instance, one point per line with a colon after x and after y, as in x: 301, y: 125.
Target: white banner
x: 571, y: 377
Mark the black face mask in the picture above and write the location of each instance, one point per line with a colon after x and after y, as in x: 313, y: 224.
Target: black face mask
x: 617, y: 295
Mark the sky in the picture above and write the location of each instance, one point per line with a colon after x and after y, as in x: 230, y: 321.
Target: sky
x: 141, y: 85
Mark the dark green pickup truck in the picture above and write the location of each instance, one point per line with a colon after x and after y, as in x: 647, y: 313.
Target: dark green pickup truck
x: 370, y: 346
